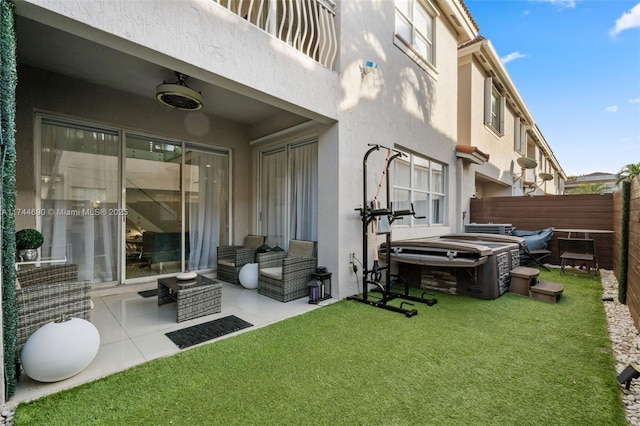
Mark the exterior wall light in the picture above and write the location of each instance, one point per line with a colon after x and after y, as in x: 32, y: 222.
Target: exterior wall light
x: 368, y: 68
x: 631, y: 372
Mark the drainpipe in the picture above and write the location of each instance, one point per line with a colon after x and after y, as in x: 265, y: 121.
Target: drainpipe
x: 459, y: 198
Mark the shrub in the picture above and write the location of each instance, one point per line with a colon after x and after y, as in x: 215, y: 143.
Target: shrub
x: 28, y: 239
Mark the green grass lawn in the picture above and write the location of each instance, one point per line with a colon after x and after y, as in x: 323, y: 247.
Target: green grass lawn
x: 510, y: 361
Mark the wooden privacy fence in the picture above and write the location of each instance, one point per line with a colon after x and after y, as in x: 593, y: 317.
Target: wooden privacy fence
x: 588, y: 211
x: 558, y: 211
x: 633, y: 236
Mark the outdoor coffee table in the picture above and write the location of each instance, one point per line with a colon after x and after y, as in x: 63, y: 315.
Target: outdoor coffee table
x: 195, y: 298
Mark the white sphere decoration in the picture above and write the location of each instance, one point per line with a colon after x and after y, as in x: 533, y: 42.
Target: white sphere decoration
x: 248, y: 276
x: 60, y: 349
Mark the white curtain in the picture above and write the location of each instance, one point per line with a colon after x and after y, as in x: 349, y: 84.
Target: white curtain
x: 304, y: 192
x: 206, y: 200
x: 79, y: 194
x: 273, y: 198
x: 289, y: 195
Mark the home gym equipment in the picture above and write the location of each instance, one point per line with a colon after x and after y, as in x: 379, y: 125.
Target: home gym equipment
x: 381, y: 219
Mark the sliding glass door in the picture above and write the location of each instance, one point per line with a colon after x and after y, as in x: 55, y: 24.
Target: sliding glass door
x: 153, y: 170
x: 125, y: 210
x: 177, y: 201
x: 79, y: 197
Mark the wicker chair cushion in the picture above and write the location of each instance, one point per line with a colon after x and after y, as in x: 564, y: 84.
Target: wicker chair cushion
x: 273, y: 273
x: 226, y: 262
x: 253, y: 241
x: 298, y: 248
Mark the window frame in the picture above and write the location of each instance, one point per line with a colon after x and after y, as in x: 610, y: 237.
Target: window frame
x: 283, y: 226
x: 519, y: 135
x: 431, y: 194
x: 494, y: 111
x: 120, y: 174
x: 428, y: 34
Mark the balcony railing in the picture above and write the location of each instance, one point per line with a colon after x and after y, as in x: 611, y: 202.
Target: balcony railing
x: 307, y: 25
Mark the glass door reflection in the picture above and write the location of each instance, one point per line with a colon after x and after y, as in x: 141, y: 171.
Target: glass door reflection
x: 153, y: 234
x: 79, y: 192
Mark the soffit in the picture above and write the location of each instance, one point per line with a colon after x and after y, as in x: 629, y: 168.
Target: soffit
x: 58, y: 51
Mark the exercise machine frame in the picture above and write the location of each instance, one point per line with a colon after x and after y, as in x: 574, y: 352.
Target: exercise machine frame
x: 368, y: 213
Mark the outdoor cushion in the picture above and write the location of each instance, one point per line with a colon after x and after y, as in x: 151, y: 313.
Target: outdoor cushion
x: 263, y: 249
x: 273, y: 273
x: 253, y: 241
x: 536, y: 240
x: 298, y: 248
x: 226, y: 262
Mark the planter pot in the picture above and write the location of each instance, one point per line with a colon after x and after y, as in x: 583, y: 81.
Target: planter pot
x: 27, y: 255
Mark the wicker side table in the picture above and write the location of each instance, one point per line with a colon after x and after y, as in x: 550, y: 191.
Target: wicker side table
x: 197, y: 298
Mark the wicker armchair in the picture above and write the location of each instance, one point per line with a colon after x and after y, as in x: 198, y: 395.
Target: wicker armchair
x: 284, y: 276
x: 232, y: 258
x: 44, y: 294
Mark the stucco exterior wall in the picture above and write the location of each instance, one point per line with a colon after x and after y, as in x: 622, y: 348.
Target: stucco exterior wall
x: 399, y: 105
x: 466, y: 101
x: 216, y: 46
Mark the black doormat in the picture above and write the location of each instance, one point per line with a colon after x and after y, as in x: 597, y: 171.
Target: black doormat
x: 206, y: 331
x: 149, y: 293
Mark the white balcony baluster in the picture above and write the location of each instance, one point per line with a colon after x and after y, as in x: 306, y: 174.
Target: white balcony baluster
x: 307, y: 25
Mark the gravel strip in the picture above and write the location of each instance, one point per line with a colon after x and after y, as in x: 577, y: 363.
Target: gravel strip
x: 625, y: 341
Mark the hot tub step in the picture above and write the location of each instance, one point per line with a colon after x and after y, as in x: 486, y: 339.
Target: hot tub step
x: 522, y: 278
x: 547, y: 291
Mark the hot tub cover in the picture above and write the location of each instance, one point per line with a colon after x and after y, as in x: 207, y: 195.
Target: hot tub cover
x: 465, y: 250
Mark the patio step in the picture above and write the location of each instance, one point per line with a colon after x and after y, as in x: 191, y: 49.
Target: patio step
x: 547, y: 291
x: 522, y: 278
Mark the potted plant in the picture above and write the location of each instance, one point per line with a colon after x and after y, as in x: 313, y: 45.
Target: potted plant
x: 28, y: 241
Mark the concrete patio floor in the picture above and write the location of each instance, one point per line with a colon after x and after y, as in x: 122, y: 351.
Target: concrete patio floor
x: 132, y: 330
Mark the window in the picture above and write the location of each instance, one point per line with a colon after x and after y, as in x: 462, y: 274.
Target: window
x: 289, y: 193
x: 519, y: 136
x: 494, y: 106
x: 415, y: 21
x: 421, y: 182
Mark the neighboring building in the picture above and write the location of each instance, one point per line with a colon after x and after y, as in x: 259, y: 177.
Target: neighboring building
x: 607, y: 180
x: 290, y: 106
x: 494, y: 119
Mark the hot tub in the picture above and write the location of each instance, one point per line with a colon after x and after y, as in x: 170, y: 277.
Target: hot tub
x: 475, y: 265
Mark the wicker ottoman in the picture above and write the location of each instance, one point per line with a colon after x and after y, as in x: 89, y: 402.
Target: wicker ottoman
x: 197, y: 298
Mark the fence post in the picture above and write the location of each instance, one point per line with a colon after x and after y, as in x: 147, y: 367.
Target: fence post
x: 624, y: 242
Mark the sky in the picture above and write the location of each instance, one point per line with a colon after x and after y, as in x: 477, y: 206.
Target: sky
x: 576, y: 64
